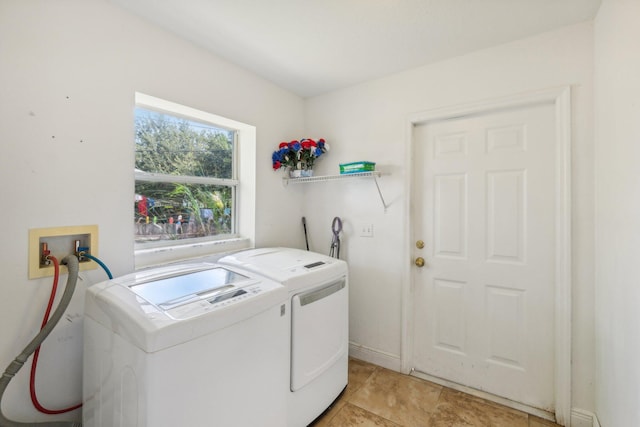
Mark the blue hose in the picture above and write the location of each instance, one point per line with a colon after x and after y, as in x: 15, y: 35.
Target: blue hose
x: 100, y: 263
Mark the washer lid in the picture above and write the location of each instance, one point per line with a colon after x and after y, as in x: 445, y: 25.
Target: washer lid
x: 175, y: 290
x: 166, y: 306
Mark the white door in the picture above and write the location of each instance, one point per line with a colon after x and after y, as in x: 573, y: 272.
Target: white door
x: 484, y: 205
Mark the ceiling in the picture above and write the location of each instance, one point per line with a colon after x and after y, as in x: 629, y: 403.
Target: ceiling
x: 315, y: 46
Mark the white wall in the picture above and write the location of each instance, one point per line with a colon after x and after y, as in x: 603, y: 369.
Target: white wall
x: 68, y: 73
x: 617, y: 95
x: 368, y: 122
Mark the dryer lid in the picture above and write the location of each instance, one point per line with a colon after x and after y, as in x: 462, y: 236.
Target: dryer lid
x: 288, y: 266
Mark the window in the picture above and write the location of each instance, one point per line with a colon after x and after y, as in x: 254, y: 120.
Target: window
x: 185, y: 179
x: 189, y: 191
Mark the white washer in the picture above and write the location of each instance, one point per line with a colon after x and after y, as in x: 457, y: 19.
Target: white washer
x: 186, y: 345
x: 319, y: 304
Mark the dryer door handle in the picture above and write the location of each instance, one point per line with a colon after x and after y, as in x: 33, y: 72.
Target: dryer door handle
x: 318, y: 294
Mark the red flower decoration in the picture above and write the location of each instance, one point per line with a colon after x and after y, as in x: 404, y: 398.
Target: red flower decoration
x: 298, y: 154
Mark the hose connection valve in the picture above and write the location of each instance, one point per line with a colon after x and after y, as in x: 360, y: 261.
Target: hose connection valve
x: 44, y: 255
x: 80, y: 251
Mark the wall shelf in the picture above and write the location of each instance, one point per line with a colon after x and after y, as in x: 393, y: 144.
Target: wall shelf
x: 324, y: 178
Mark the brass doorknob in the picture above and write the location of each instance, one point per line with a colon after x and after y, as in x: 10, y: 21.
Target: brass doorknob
x: 420, y: 244
x: 419, y: 262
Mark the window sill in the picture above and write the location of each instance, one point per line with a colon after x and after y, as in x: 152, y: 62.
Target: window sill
x: 153, y: 256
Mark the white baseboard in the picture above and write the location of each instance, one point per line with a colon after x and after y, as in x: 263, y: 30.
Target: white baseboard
x: 377, y: 357
x: 582, y: 418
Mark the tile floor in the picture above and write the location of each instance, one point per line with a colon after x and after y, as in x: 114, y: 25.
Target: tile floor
x: 378, y: 397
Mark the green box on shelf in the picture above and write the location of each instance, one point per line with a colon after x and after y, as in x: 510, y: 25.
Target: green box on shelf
x: 357, y: 167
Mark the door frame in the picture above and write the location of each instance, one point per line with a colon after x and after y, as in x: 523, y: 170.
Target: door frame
x: 560, y: 97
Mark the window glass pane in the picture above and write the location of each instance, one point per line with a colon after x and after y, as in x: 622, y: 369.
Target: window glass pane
x: 171, y: 211
x: 172, y: 145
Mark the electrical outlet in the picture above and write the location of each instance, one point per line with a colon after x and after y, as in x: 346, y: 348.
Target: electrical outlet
x: 60, y: 242
x: 366, y: 230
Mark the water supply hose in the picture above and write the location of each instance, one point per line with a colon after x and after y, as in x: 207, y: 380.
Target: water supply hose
x: 36, y: 354
x: 72, y: 264
x: 100, y: 263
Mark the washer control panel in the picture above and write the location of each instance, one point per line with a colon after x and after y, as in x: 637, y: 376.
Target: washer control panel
x: 218, y: 301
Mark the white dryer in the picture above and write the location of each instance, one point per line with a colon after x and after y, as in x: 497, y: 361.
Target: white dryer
x: 186, y: 345
x: 319, y: 304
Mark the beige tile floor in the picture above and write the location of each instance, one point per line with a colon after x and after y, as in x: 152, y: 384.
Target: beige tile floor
x: 378, y: 397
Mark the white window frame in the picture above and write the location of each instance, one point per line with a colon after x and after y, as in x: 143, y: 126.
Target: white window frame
x: 244, y: 179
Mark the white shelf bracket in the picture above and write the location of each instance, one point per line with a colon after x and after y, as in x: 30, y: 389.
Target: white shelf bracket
x: 375, y: 179
x: 375, y: 175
